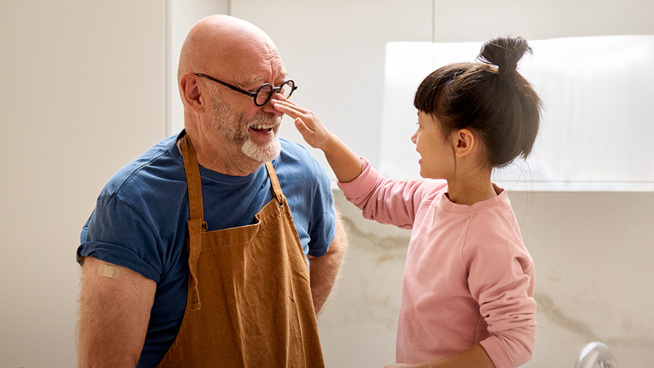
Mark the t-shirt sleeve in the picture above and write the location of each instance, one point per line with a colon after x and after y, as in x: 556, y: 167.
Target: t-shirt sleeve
x: 322, y: 223
x: 118, y: 234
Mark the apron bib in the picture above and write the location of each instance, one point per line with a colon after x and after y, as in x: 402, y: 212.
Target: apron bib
x: 249, y: 298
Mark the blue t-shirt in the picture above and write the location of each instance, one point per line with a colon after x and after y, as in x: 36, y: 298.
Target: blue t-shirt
x: 139, y: 222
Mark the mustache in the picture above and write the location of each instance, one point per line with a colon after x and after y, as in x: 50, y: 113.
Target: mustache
x: 258, y: 119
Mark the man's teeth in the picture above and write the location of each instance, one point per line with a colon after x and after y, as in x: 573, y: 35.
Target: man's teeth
x: 261, y: 126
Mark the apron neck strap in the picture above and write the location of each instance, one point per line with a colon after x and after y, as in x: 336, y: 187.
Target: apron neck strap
x: 274, y: 181
x: 196, y: 223
x: 192, y: 179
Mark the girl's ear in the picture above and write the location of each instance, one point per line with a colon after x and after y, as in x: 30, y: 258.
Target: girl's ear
x: 464, y: 142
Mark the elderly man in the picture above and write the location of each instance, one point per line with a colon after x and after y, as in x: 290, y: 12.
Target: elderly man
x: 218, y: 246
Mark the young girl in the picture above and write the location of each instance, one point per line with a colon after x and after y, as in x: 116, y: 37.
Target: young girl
x: 467, y: 296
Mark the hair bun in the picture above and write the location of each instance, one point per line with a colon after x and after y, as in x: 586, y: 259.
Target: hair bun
x: 505, y: 52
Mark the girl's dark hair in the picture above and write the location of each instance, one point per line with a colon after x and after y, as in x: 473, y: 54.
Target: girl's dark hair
x: 489, y: 97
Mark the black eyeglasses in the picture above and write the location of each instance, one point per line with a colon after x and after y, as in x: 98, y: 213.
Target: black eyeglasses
x: 263, y: 93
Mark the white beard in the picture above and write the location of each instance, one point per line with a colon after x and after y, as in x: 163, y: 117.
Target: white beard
x: 234, y: 127
x: 264, y: 153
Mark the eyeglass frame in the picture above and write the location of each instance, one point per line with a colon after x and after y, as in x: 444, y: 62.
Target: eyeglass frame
x: 252, y: 94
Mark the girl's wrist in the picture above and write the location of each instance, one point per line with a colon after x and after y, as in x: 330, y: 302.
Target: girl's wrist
x: 328, y: 143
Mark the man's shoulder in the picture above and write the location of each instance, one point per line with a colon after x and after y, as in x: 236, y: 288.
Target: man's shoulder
x: 294, y: 150
x: 148, y: 170
x: 295, y: 158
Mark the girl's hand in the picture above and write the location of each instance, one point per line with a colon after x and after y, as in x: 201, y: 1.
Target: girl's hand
x: 345, y: 163
x: 307, y: 123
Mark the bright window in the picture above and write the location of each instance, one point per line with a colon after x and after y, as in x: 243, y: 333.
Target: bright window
x: 597, y: 128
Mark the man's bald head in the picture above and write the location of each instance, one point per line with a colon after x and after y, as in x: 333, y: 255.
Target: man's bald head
x: 222, y: 42
x: 230, y: 132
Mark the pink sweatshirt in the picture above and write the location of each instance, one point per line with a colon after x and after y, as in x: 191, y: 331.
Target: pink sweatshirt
x: 468, y: 278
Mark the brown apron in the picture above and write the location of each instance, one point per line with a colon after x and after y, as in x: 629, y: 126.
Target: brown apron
x: 249, y: 298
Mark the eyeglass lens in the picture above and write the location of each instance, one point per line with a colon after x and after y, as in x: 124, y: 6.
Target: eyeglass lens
x: 265, y: 92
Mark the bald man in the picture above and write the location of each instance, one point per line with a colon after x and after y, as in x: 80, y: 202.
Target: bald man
x: 218, y: 246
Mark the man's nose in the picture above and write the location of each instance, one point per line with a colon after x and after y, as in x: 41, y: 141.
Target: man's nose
x: 270, y: 109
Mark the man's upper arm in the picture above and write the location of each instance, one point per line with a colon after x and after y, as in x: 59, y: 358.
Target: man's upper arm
x: 115, y: 306
x: 340, y: 242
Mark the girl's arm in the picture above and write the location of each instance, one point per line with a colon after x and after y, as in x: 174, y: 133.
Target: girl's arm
x: 345, y: 163
x: 383, y: 200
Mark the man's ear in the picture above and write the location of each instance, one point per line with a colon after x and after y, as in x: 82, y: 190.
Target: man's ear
x: 464, y: 142
x: 190, y: 92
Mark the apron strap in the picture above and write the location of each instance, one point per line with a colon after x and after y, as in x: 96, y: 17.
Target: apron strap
x: 196, y: 224
x: 274, y: 181
x: 192, y: 178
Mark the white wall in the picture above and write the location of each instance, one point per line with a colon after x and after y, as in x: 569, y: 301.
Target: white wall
x: 480, y: 20
x: 182, y: 15
x: 82, y: 94
x: 85, y: 86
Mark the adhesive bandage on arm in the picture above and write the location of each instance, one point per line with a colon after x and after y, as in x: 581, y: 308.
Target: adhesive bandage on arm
x: 108, y: 271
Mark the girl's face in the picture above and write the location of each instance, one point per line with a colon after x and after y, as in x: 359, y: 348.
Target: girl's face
x: 437, y: 156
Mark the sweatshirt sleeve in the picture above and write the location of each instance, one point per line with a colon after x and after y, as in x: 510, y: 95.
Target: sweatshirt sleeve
x: 387, y: 201
x: 501, y: 279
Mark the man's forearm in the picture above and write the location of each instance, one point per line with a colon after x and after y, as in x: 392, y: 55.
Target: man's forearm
x: 325, y: 269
